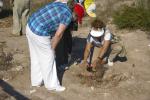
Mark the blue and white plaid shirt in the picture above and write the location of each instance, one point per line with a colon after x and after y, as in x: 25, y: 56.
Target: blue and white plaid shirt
x: 46, y: 20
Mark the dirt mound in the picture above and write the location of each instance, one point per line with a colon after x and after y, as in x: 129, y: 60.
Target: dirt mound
x: 103, y: 78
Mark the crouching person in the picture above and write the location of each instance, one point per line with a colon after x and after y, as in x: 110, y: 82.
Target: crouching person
x: 100, y: 37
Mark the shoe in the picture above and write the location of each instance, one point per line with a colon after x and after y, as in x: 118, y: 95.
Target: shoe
x: 66, y: 68
x: 58, y: 89
x: 14, y: 35
x: 110, y: 63
x: 37, y: 86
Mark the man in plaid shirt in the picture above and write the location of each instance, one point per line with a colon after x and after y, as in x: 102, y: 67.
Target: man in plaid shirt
x: 44, y: 30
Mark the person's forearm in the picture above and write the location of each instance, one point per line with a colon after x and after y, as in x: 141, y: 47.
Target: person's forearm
x: 87, y: 51
x: 104, y: 49
x: 58, y: 35
x: 55, y: 41
x: 86, y: 54
x: 102, y: 52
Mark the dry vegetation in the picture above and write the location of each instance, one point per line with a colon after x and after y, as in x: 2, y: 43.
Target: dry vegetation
x: 105, y: 8
x: 134, y: 17
x: 6, y: 59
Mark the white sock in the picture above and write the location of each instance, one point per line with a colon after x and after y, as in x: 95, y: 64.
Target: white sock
x: 110, y: 63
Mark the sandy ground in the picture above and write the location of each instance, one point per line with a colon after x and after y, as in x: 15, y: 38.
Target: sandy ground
x: 129, y: 80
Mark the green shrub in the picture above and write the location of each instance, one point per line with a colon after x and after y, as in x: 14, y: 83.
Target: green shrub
x: 132, y: 18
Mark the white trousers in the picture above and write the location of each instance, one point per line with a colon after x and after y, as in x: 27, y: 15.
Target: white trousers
x: 43, y: 66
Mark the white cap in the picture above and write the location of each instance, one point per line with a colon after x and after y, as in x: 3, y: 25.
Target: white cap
x: 80, y: 1
x: 63, y: 1
x: 97, y: 33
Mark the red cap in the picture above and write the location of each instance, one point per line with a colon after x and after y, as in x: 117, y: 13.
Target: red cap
x: 79, y: 10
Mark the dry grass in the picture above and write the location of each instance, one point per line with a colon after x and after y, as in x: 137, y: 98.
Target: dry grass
x: 106, y: 8
x: 135, y: 17
x: 6, y: 59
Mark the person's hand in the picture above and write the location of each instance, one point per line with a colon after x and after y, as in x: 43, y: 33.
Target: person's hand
x: 84, y: 63
x: 94, y: 63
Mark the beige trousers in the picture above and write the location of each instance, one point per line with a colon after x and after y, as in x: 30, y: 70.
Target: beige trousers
x: 116, y: 49
x: 20, y: 16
